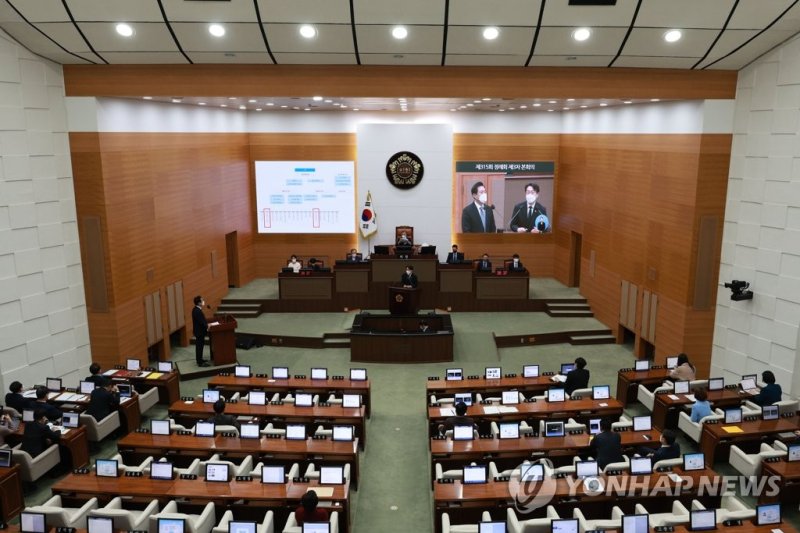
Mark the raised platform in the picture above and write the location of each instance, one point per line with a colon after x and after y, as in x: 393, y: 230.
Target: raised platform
x: 384, y: 338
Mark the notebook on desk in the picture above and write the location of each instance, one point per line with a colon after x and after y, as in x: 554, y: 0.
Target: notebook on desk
x: 322, y: 492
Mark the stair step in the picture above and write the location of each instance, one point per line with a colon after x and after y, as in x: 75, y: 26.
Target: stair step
x: 593, y: 339
x: 568, y: 305
x: 238, y: 306
x: 570, y: 312
x: 244, y: 314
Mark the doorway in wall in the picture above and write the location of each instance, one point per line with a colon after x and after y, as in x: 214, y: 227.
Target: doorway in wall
x: 232, y: 258
x: 575, y: 259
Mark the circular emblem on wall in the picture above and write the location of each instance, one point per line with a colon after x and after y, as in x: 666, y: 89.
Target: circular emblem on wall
x: 404, y: 170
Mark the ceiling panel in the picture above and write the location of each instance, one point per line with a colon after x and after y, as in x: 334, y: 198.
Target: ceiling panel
x: 755, y: 49
x: 563, y: 61
x: 65, y: 34
x: 650, y: 42
x: 510, y: 60
x: 404, y: 59
x: 145, y: 58
x: 222, y: 58
x: 147, y: 36
x: 228, y: 11
x: 559, y: 41
x: 42, y: 10
x: 316, y: 59
x: 469, y: 40
x: 683, y: 14
x: 505, y: 13
x: 420, y: 40
x: 655, y: 62
x: 331, y: 38
x: 238, y: 37
x: 756, y: 15
x: 399, y: 12
x: 305, y: 11
x: 115, y: 10
x: 560, y: 13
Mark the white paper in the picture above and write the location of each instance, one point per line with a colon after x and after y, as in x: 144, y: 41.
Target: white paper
x: 110, y: 372
x: 188, y: 402
x: 559, y: 378
x: 447, y: 411
x: 213, y: 323
x: 506, y: 409
x: 29, y: 394
x: 325, y: 492
x: 143, y: 374
x: 603, y: 404
x: 270, y: 381
x: 490, y: 410
x: 690, y: 397
x: 673, y: 397
x: 675, y: 477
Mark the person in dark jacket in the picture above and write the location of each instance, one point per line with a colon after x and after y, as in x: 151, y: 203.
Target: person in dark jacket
x: 96, y: 377
x: 578, y: 378
x: 220, y: 418
x: 606, y: 446
x: 51, y: 412
x: 103, y: 400
x: 15, y: 399
x: 771, y: 392
x: 38, y: 436
x: 461, y: 419
x: 669, y: 449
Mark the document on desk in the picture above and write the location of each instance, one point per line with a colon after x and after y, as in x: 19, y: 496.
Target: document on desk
x: 491, y: 410
x: 69, y: 397
x: 155, y: 375
x: 29, y: 394
x: 673, y: 397
x: 559, y: 378
x: 506, y: 409
x: 110, y: 372
x: 143, y: 374
x: 188, y: 402
x: 732, y: 429
x: 690, y: 397
x: 322, y: 492
x: 447, y: 411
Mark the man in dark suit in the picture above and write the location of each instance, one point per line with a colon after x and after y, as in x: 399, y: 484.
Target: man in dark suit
x: 455, y: 256
x: 95, y: 377
x: 103, y: 400
x: 199, y: 329
x: 15, y: 399
x: 578, y: 378
x: 461, y: 419
x: 516, y: 265
x: 478, y: 217
x: 771, y: 392
x: 670, y: 449
x: 220, y: 418
x: 50, y: 411
x: 523, y: 219
x: 38, y: 436
x: 409, y: 279
x: 353, y: 257
x: 484, y: 265
x: 606, y: 446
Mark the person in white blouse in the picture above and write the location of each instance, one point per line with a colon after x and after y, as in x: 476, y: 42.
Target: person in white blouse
x: 294, y: 264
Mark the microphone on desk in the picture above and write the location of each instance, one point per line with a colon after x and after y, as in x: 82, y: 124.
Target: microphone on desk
x: 512, y: 216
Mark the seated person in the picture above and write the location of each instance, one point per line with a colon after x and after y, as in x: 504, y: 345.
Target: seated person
x: 403, y: 240
x: 606, y: 446
x: 38, y: 436
x: 684, y: 371
x: 461, y: 419
x: 5, y: 428
x: 701, y: 407
x: 771, y: 392
x: 424, y: 327
x: 484, y: 265
x: 52, y: 412
x: 220, y: 418
x: 308, y: 511
x: 409, y: 279
x: 516, y: 265
x: 353, y: 256
x: 455, y: 256
x: 670, y: 449
x: 15, y: 399
x: 578, y: 378
x: 95, y: 376
x: 103, y: 400
x: 294, y: 264
x: 313, y: 264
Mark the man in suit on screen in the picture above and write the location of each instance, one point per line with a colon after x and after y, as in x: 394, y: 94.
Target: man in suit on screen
x: 478, y: 217
x: 523, y: 219
x: 199, y: 328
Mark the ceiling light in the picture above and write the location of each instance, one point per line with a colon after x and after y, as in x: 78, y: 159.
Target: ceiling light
x: 308, y: 31
x: 511, y: 108
x: 355, y: 109
x: 296, y: 108
x: 551, y: 102
x: 258, y: 109
x: 523, y: 107
x: 399, y: 32
x: 269, y: 104
x: 452, y: 110
x: 201, y: 103
x: 242, y: 107
x: 491, y: 33
x: 343, y: 106
x: 328, y: 101
x: 549, y: 110
x: 655, y: 100
x: 502, y: 110
x: 583, y: 107
x: 673, y: 35
x: 565, y: 108
x: 470, y: 105
x: 147, y: 97
x: 252, y: 101
x: 317, y: 98
x: 603, y: 104
x: 476, y: 101
x: 307, y: 109
x: 537, y: 105
x: 124, y: 29
x: 627, y: 102
x: 486, y: 99
x: 284, y: 106
x: 224, y: 105
x: 231, y: 98
x: 581, y: 34
x: 570, y: 99
x: 216, y: 30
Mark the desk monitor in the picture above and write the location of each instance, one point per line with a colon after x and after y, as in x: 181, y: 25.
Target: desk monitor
x: 493, y: 372
x: 693, y: 461
x: 70, y: 420
x: 343, y: 433
x: 530, y: 371
x: 165, y: 366
x: 106, y: 468
x: 594, y: 426
x: 703, y: 520
x: 358, y: 374
x: 531, y: 472
x: 86, y: 387
x: 280, y: 372
x: 566, y: 368
x: 427, y: 250
x: 133, y: 364
x: 641, y: 466
x: 5, y: 458
x: 319, y: 373
x: 318, y: 527
x: 601, y: 392
x: 754, y: 377
x: 53, y: 384
x: 32, y: 522
x: 303, y: 399
x: 454, y: 374
x: 210, y: 395
x: 636, y: 523
x: 681, y: 387
x: 794, y: 453
x: 257, y: 397
x: 474, y: 474
x: 510, y: 397
x: 99, y: 524
x: 273, y: 474
x: 748, y: 384
x: 564, y: 525
x: 125, y: 390
x: 241, y: 371
x: 491, y: 527
x: 27, y: 415
x: 768, y: 514
x: 733, y: 416
x: 464, y: 397
x: 509, y: 430
x: 331, y: 475
x: 642, y: 423
x: 554, y: 429
x: 218, y: 472
x: 585, y: 469
x: 716, y: 383
x: 351, y: 401
x: 249, y: 431
x: 641, y: 365
x: 171, y: 525
x: 462, y: 432
x: 295, y: 432
x: 381, y: 249
x: 672, y: 362
x: 555, y: 395
x: 770, y: 412
x: 241, y: 527
x: 204, y: 429
x: 159, y: 427
x: 159, y: 470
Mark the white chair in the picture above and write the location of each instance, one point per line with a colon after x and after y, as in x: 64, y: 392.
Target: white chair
x: 455, y: 473
x: 333, y: 400
x: 269, y: 429
x: 447, y: 527
x: 266, y: 526
x: 292, y: 527
x: 584, y: 393
x: 59, y: 516
x: 567, y: 469
x: 124, y: 519
x: 585, y: 524
x: 294, y: 471
x: 313, y: 473
x: 202, y: 523
x: 647, y: 398
x: 193, y: 468
x: 323, y: 431
x: 532, y: 525
x: 694, y: 430
x: 730, y: 508
x: 623, y: 422
x: 222, y: 428
x: 667, y: 463
x: 141, y: 467
x: 35, y: 467
x: 749, y: 464
x: 434, y: 400
x: 97, y: 431
x: 784, y: 406
x: 241, y: 469
x: 624, y: 465
x: 148, y: 400
x: 515, y: 472
x: 679, y: 515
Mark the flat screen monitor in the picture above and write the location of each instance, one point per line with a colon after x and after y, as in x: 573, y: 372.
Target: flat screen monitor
x: 125, y: 390
x: 5, y: 458
x: 427, y: 250
x: 318, y: 527
x: 642, y: 423
x: 510, y: 397
x: 249, y: 431
x: 716, y: 383
x: 462, y: 432
x: 133, y: 364
x: 257, y: 397
x: 594, y: 426
x: 601, y: 392
x: 554, y: 429
x: 768, y: 514
x: 219, y: 472
x: 27, y: 415
x: 280, y: 372
x: 295, y: 432
x: 319, y: 373
x: 493, y: 372
x: 681, y: 387
x: 672, y: 362
x: 241, y: 527
x: 530, y: 371
x: 160, y: 470
x: 564, y: 525
x: 474, y: 474
x: 241, y: 371
x: 171, y: 525
x: 635, y: 523
x: 106, y: 468
x: 86, y: 387
x: 331, y: 475
x: 733, y: 416
x: 509, y: 430
x: 794, y: 453
x: 32, y: 522
x: 641, y: 466
x: 454, y: 374
x: 343, y: 433
x: 703, y: 520
x: 70, y: 420
x: 159, y: 427
x: 273, y: 474
x: 566, y: 368
x: 204, y: 429
x: 351, y: 401
x: 381, y: 249
x: 165, y: 366
x: 99, y: 524
x: 555, y: 395
x: 642, y: 364
x: 491, y: 527
x: 586, y: 469
x: 358, y: 374
x: 693, y: 461
x: 754, y: 377
x: 53, y: 384
x: 303, y: 399
x: 463, y: 397
x: 531, y: 472
x: 210, y: 395
x: 748, y: 384
x: 770, y: 412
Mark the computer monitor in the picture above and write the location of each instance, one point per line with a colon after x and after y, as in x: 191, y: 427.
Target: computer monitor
x: 594, y: 426
x: 343, y: 433
x: 770, y: 412
x: 601, y: 392
x: 295, y: 432
x: 159, y: 470
x: 303, y: 399
x: 641, y: 364
x: 318, y: 527
x: 566, y: 368
x: 106, y: 468
x: 331, y: 475
x: 454, y: 374
x: 133, y: 364
x: 125, y: 390
x: 351, y: 401
x: 554, y: 429
x: 427, y: 250
x: 555, y: 395
x: 672, y: 362
x: 693, y: 461
x: 53, y: 384
x: 165, y: 366
x: 358, y: 374
x: 509, y: 430
x: 530, y: 371
x: 280, y: 372
x: 381, y: 249
x: 241, y: 371
x: 794, y: 453
x: 510, y: 397
x: 733, y: 416
x: 249, y: 431
x: 635, y: 523
x: 464, y: 397
x: 586, y: 468
x: 32, y: 522
x: 219, y: 472
x: 768, y: 514
x: 703, y: 520
x: 159, y: 427
x: 462, y: 432
x: 754, y: 377
x: 474, y: 474
x: 5, y: 458
x: 564, y: 525
x: 319, y: 373
x: 716, y: 383
x: 210, y: 395
x: 27, y: 415
x: 273, y: 474
x: 531, y: 472
x: 86, y: 387
x: 491, y: 527
x: 642, y: 423
x: 241, y: 527
x: 641, y: 466
x: 171, y: 525
x: 681, y: 387
x: 257, y: 397
x: 70, y: 420
x: 204, y: 429
x: 99, y: 524
x: 748, y: 384
x: 493, y: 372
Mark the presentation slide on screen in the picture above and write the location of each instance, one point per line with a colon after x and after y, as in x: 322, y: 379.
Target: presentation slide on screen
x: 305, y: 196
x: 504, y: 197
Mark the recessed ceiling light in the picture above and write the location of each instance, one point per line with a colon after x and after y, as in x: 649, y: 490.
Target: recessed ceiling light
x: 523, y: 107
x: 452, y: 110
x: 328, y: 101
x: 470, y: 105
x: 581, y: 34
x: 224, y: 105
x: 317, y: 98
x: 552, y: 102
x: 251, y: 101
x: 307, y: 109
x: 603, y: 104
x: 486, y: 99
x: 549, y: 110
x: 284, y: 106
x: 270, y: 104
x: 343, y: 106
x: 308, y: 31
x: 673, y: 35
x: 217, y: 30
x: 476, y: 101
x: 296, y: 108
x: 258, y: 109
x: 231, y: 98
x: 655, y: 99
x: 511, y: 108
x: 177, y: 100
x: 565, y: 108
x: 124, y: 29
x: 583, y: 107
x: 537, y: 105
x: 242, y: 107
x: 491, y: 33
x: 201, y: 103
x: 627, y: 102
x: 355, y: 109
x: 147, y: 97
x: 399, y: 32
x: 570, y: 99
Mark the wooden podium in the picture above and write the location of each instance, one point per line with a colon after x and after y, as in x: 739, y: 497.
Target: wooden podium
x: 223, y: 340
x: 403, y: 301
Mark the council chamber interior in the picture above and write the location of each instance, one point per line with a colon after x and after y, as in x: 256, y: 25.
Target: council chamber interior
x: 620, y: 201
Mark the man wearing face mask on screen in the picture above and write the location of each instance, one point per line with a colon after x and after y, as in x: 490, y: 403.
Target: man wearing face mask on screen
x: 526, y: 213
x: 478, y: 216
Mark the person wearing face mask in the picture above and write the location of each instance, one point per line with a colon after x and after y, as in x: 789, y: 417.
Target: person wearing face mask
x: 353, y: 256
x: 478, y: 217
x: 409, y: 279
x: 294, y: 264
x: 484, y: 265
x: 199, y: 328
x: 525, y: 213
x: 516, y: 265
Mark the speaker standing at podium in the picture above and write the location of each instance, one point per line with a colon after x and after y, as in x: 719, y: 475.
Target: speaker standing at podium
x: 199, y: 328
x: 409, y: 279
